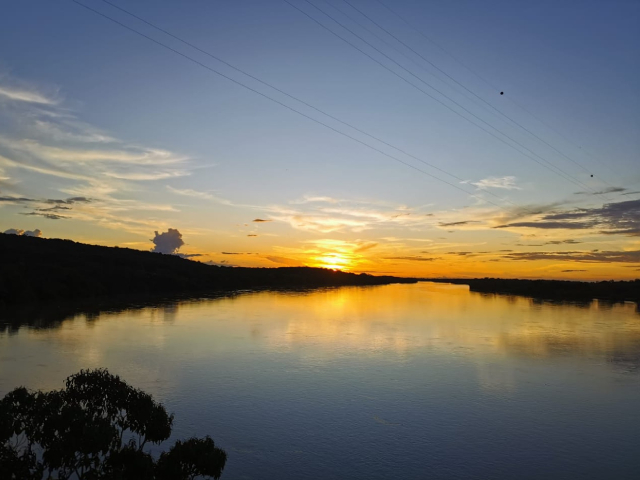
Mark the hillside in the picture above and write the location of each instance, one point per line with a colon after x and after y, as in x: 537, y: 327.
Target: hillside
x: 36, y: 270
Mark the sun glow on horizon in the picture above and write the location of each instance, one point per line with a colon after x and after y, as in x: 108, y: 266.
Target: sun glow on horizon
x: 334, y: 261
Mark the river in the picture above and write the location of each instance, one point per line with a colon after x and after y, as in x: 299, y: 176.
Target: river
x: 423, y: 381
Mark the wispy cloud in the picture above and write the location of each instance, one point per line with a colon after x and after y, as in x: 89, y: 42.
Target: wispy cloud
x: 505, y: 183
x: 348, y: 216
x: 632, y: 256
x: 20, y: 95
x: 187, y: 192
x: 50, y: 216
x: 413, y: 258
x: 621, y: 218
x: 127, y: 154
x: 81, y: 160
x: 457, y: 224
x: 604, y: 191
x: 315, y: 199
x: 284, y: 260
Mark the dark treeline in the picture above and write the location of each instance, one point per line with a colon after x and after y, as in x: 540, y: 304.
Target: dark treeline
x: 612, y: 291
x: 37, y: 270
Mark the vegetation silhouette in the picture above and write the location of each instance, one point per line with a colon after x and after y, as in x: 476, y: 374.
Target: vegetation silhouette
x: 609, y: 291
x: 96, y: 429
x: 36, y: 269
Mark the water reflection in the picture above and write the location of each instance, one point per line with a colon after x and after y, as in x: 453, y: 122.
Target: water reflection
x: 287, y: 382
x: 369, y: 320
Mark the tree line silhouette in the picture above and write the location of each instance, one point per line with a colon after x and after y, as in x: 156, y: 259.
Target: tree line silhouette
x: 612, y: 291
x: 37, y: 269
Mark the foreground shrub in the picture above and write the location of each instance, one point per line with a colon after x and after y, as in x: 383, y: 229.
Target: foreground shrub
x: 95, y: 428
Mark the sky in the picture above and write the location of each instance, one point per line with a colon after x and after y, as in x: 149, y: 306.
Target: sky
x: 429, y: 139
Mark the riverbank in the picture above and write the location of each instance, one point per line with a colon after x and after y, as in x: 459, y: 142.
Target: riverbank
x: 612, y: 291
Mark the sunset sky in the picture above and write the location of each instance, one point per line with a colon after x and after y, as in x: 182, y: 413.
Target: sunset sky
x: 385, y: 146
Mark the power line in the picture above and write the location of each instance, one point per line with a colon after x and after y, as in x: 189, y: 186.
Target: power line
x: 388, y: 44
x: 412, y: 60
x: 459, y: 62
x: 463, y: 86
x: 294, y: 97
x: 289, y: 95
x: 557, y: 132
x: 555, y: 169
x: 279, y: 102
x: 364, y: 27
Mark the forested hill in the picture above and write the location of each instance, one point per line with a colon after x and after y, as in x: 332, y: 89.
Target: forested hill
x: 38, y: 269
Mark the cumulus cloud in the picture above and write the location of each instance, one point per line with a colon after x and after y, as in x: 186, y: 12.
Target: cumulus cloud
x: 223, y: 263
x: 28, y: 233
x: 168, y: 242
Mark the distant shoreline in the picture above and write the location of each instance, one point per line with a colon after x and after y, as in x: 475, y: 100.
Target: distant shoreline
x: 38, y: 271
x: 611, y: 291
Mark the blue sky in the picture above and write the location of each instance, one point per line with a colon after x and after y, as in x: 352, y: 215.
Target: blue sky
x: 217, y: 156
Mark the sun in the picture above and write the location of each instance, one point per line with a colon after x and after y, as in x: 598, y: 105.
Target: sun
x: 334, y: 261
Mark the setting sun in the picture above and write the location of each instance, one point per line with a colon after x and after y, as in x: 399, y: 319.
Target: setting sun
x: 335, y: 261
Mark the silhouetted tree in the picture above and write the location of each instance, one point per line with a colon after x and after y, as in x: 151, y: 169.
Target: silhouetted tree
x: 96, y: 428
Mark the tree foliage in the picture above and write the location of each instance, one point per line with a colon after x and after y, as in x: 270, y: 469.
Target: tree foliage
x: 97, y: 427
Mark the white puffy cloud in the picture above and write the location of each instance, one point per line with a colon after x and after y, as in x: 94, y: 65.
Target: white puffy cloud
x: 14, y: 231
x: 168, y: 242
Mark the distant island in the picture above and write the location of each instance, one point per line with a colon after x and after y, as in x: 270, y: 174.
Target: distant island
x: 43, y: 270
x: 611, y: 291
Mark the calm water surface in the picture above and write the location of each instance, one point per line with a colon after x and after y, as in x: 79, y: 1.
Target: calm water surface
x: 400, y: 381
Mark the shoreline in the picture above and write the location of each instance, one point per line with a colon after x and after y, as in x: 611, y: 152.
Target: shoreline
x: 559, y: 290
